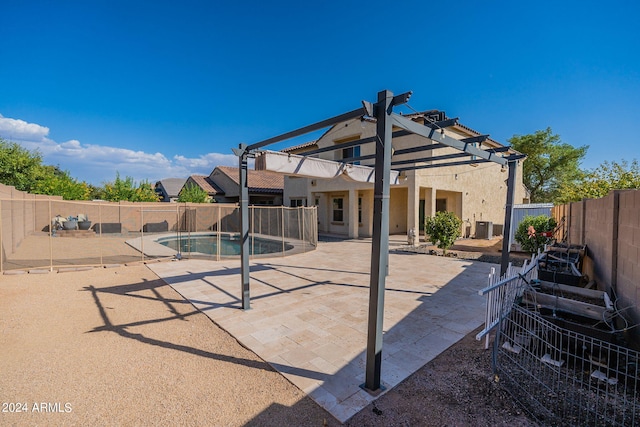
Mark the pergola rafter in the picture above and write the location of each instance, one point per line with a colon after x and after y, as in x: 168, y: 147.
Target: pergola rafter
x: 433, y: 130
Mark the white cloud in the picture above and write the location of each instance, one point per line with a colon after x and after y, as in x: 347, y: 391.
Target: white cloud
x: 19, y: 129
x: 99, y: 163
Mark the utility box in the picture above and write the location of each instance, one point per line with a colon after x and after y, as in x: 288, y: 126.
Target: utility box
x: 484, y: 229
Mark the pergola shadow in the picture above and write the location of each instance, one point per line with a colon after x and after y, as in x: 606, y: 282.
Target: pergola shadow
x: 309, y: 318
x: 122, y: 329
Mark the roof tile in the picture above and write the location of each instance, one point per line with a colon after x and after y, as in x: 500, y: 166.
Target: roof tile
x: 258, y: 181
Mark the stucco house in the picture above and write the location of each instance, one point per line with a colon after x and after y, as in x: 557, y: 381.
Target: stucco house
x: 204, y: 182
x: 222, y: 185
x: 168, y: 189
x: 474, y: 192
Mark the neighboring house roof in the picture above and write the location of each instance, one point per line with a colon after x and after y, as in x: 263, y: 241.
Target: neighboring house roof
x: 206, y: 184
x: 172, y: 186
x: 258, y: 181
x: 301, y: 148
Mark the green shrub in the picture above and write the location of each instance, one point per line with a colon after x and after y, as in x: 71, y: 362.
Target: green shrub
x: 443, y: 229
x: 193, y: 193
x: 540, y: 224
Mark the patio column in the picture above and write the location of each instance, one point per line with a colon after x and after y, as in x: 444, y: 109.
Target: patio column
x: 413, y: 203
x: 353, y: 214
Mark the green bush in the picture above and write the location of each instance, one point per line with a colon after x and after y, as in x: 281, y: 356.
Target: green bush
x: 540, y: 224
x: 193, y: 193
x: 443, y: 229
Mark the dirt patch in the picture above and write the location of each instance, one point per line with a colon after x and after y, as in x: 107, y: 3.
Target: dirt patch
x: 483, y: 250
x: 454, y: 389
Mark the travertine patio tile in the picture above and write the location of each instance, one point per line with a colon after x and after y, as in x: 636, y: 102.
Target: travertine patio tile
x: 333, y: 353
x: 304, y: 337
x: 298, y: 356
x: 309, y: 314
x: 267, y: 335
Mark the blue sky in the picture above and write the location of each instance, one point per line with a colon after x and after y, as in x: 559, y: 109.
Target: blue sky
x: 160, y: 89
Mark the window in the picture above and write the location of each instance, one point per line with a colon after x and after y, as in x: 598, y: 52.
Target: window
x: 359, y: 210
x: 294, y: 203
x: 350, y: 152
x: 338, y: 209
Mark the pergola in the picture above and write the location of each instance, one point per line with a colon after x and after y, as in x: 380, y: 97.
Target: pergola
x: 386, y: 119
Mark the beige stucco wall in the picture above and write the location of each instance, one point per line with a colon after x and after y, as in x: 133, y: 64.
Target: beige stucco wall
x: 474, y: 193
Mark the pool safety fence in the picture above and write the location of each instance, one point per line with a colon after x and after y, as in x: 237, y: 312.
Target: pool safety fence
x: 50, y: 234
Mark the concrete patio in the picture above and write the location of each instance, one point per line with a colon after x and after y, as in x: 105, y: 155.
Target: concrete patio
x: 309, y: 313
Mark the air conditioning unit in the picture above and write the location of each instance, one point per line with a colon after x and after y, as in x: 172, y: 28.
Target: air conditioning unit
x: 484, y: 229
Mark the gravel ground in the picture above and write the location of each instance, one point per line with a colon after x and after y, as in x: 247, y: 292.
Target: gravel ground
x: 116, y: 346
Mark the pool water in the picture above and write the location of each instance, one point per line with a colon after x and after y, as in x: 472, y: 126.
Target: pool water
x: 229, y: 244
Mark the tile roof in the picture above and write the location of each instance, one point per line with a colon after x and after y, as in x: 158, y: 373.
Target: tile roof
x: 259, y: 181
x: 206, y: 184
x: 172, y: 186
x: 300, y: 146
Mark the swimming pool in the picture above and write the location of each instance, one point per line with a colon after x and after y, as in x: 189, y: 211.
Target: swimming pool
x: 207, y: 244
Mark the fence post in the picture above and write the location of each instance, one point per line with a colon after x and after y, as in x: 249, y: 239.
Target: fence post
x: 50, y: 239
x: 218, y: 239
x: 304, y: 246
x: 253, y: 230
x: 100, y: 233
x: 282, y: 209
x: 1, y: 241
x: 142, y: 233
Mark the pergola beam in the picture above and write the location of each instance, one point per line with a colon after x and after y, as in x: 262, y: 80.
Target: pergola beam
x: 413, y: 127
x: 443, y: 157
x: 359, y: 112
x: 441, y: 124
x: 425, y: 147
x: 475, y: 139
x: 439, y: 165
x: 340, y: 146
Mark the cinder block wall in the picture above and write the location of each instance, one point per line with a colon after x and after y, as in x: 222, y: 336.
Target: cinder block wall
x: 628, y: 267
x: 599, y: 238
x: 610, y: 227
x: 576, y: 224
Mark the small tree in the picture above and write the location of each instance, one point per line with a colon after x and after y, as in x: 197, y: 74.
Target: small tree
x: 125, y: 189
x: 59, y: 183
x: 443, y: 229
x: 530, y: 232
x: 193, y: 193
x: 550, y: 163
x: 599, y: 182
